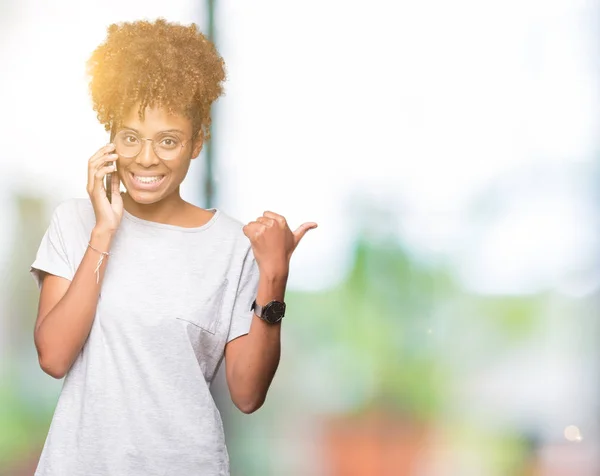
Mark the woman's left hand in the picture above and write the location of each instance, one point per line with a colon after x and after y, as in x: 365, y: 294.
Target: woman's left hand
x: 273, y: 242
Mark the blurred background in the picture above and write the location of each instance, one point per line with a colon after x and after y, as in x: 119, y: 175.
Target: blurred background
x: 443, y: 318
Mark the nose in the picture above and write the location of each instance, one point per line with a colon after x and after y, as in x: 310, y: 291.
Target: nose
x: 147, y: 157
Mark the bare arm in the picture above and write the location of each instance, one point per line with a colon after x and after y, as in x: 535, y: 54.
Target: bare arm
x: 252, y: 360
x: 66, y: 311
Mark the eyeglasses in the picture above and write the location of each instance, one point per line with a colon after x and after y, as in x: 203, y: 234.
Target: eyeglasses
x: 166, y: 145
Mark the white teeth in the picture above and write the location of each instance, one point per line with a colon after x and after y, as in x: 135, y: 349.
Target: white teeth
x: 148, y: 179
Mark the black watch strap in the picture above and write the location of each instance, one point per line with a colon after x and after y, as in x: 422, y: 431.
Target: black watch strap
x: 257, y: 308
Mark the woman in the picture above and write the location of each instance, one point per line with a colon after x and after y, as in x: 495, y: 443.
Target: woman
x: 144, y: 295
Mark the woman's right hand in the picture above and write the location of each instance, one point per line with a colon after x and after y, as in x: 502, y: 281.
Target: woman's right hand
x: 108, y: 215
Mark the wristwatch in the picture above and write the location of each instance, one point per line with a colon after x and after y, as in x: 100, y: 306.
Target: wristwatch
x: 271, y: 312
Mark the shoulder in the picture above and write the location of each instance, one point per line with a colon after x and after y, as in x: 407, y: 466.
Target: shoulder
x: 228, y: 221
x: 233, y: 228
x: 242, y: 262
x: 73, y: 206
x: 72, y: 214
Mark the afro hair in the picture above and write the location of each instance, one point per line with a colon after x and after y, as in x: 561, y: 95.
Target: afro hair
x: 155, y: 64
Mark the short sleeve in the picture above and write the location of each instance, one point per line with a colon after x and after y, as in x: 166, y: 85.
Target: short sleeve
x: 52, y: 255
x: 245, y: 296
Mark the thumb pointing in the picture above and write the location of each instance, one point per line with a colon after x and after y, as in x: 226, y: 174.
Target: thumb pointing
x: 302, y: 229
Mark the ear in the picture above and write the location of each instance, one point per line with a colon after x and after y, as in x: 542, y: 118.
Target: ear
x: 197, y: 144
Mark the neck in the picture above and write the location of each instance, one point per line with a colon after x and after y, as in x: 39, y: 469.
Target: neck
x: 163, y: 211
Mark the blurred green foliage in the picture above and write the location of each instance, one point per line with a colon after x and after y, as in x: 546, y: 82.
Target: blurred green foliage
x: 383, y: 332
x: 379, y: 317
x: 24, y: 423
x: 26, y: 403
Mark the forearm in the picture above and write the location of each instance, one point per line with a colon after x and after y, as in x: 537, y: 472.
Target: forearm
x: 61, y: 334
x: 257, y: 363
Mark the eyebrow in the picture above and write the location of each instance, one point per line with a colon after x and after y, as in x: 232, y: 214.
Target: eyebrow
x: 160, y: 132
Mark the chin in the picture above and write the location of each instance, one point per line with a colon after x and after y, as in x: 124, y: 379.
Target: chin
x: 145, y: 198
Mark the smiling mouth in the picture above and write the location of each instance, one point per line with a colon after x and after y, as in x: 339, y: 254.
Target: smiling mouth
x: 144, y: 179
x: 147, y: 182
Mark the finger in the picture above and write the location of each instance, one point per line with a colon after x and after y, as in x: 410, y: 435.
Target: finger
x: 302, y: 229
x: 253, y: 228
x: 99, y: 161
x: 102, y: 171
x: 99, y: 178
x: 115, y: 184
x: 107, y: 149
x: 275, y: 216
x: 266, y: 221
x: 116, y: 199
x: 96, y: 165
x: 247, y: 229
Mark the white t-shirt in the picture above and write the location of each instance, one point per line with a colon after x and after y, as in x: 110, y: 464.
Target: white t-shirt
x: 136, y: 400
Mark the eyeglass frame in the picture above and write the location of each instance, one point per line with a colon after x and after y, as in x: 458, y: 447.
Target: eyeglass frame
x: 183, y: 143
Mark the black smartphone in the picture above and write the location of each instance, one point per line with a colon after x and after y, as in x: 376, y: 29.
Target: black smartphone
x: 108, y: 177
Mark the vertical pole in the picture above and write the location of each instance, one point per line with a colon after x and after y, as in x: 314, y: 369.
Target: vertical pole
x: 209, y: 183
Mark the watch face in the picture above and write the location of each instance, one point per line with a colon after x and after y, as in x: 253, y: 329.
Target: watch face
x: 274, y: 311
